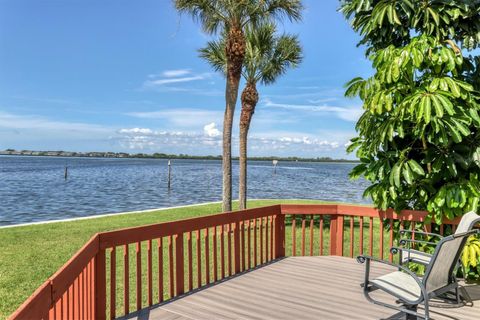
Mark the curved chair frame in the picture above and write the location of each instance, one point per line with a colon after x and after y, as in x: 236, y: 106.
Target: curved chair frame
x: 409, y: 307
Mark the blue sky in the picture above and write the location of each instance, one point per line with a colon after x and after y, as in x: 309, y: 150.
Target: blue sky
x: 120, y: 75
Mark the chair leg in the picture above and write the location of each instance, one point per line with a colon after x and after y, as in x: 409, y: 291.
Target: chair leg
x: 410, y: 316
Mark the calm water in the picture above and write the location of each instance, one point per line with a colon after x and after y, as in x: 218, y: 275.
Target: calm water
x: 34, y: 188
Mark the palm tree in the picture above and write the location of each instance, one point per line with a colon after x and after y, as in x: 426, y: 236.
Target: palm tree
x: 231, y: 18
x: 267, y: 57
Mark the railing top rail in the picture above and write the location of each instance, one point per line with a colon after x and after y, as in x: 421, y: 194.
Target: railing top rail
x: 62, y: 279
x: 153, y: 231
x: 37, y: 305
x: 359, y: 210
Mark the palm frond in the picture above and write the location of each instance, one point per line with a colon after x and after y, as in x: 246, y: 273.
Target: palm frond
x: 214, y: 54
x: 210, y: 14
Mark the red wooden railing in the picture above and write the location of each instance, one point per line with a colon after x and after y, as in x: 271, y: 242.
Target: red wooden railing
x: 119, y: 272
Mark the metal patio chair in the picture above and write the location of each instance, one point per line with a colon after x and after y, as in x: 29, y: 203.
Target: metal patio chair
x: 407, y: 254
x: 408, y: 288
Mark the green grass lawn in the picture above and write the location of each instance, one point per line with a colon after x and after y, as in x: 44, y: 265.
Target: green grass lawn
x: 30, y: 254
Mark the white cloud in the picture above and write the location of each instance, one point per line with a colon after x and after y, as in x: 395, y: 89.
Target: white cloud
x: 175, y: 73
x: 211, y: 130
x: 136, y: 130
x: 159, y: 82
x: 173, y: 76
x: 345, y: 113
x: 182, y: 117
x: 147, y: 139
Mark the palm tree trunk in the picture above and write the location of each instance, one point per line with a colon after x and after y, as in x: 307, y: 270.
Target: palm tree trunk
x: 249, y: 102
x: 235, y: 52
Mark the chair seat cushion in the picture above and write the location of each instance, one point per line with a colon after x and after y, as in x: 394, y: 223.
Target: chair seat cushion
x: 399, y: 284
x: 417, y: 257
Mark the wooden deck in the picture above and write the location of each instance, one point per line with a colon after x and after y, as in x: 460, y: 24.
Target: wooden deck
x: 326, y: 287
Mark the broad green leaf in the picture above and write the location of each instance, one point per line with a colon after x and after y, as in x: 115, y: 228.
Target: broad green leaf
x: 416, y: 167
x: 395, y: 174
x: 407, y: 174
x: 463, y: 129
x: 474, y: 114
x: 437, y: 105
x: 447, y: 104
x: 427, y: 109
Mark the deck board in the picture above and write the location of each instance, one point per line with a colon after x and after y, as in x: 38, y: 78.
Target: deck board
x: 325, y: 287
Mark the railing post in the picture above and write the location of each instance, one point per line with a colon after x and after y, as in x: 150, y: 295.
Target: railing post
x: 279, y: 236
x: 236, y: 244
x: 180, y: 286
x: 100, y: 286
x: 336, y: 235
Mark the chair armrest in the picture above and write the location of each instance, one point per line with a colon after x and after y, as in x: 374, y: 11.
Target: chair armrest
x: 465, y: 234
x: 395, y: 250
x: 431, y: 234
x: 404, y: 242
x: 363, y: 259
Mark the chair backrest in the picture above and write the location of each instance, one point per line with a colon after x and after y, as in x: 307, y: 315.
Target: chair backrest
x: 439, y: 273
x: 469, y: 220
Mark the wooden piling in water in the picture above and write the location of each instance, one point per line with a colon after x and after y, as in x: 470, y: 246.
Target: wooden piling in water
x: 66, y: 172
x: 169, y: 174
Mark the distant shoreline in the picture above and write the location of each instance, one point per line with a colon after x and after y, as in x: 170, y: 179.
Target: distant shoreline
x: 121, y: 155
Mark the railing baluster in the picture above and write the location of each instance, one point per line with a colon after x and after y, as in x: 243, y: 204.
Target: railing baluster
x: 255, y: 242
x: 261, y: 240
x: 294, y: 236
x: 320, y: 229
x: 126, y: 281
x: 249, y: 243
x: 71, y: 302
x: 113, y: 283
x: 207, y: 257
x: 149, y: 272
x: 199, y: 259
x: 271, y: 237
x: 222, y: 251
x: 352, y: 235
x: 139, y: 275
x: 266, y: 239
x: 229, y: 248
x: 381, y: 238
x: 311, y: 235
x: 85, y: 292
x: 390, y: 256
x: 236, y: 244
x: 190, y: 262
x: 303, y: 235
x: 242, y: 246
x: 90, y: 294
x: 100, y: 287
x: 370, y: 226
x: 160, y: 269
x: 80, y: 300
x: 171, y: 274
x: 361, y: 236
x: 215, y: 249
